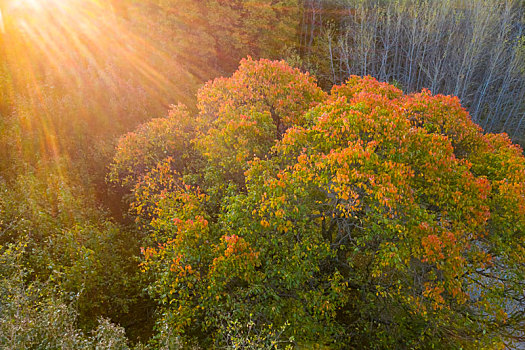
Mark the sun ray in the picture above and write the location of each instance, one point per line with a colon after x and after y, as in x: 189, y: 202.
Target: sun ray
x: 89, y: 54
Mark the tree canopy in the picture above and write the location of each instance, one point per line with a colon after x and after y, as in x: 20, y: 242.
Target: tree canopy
x: 360, y: 218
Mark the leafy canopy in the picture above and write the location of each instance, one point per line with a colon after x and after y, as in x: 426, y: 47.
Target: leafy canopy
x: 362, y: 218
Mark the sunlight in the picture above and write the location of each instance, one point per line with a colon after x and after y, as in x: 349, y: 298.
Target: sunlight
x: 67, y: 32
x: 29, y: 3
x: 36, y: 4
x: 73, y: 41
x: 2, y: 27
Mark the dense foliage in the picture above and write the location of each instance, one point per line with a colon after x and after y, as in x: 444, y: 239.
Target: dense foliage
x: 261, y: 211
x: 35, y: 316
x: 366, y: 218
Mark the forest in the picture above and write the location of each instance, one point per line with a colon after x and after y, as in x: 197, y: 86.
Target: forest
x: 262, y: 174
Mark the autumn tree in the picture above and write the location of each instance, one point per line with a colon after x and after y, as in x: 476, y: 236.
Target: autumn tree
x: 371, y: 219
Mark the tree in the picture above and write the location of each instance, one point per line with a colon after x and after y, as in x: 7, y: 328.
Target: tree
x: 72, y: 246
x: 36, y: 316
x: 376, y: 219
